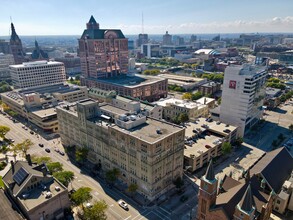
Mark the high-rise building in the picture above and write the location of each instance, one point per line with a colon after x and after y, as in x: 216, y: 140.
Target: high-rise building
x: 178, y: 40
x: 104, y: 64
x: 103, y: 52
x: 142, y: 39
x: 148, y: 152
x: 4, y: 47
x: 167, y: 39
x: 243, y: 95
x: 5, y: 61
x: 193, y: 38
x: 150, y: 50
x: 37, y: 73
x: 16, y: 47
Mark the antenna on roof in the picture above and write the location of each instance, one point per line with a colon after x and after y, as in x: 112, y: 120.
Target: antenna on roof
x: 142, y: 28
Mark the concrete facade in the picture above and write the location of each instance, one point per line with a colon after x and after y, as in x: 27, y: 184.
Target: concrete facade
x: 37, y: 73
x: 148, y: 152
x: 243, y: 95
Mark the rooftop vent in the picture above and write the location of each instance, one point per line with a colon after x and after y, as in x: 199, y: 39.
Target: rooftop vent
x: 159, y: 131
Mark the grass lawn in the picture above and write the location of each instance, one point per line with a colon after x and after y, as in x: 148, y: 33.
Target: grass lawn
x: 1, y: 183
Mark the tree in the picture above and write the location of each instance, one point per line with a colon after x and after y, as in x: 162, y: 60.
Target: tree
x: 3, y: 131
x: 24, y: 146
x: 112, y: 175
x: 274, y: 143
x: 82, y: 195
x: 226, y: 148
x: 187, y: 95
x: 71, y: 79
x: 65, y: 177
x: 132, y: 188
x: 281, y: 136
x: 220, y: 101
x: 291, y: 127
x: 178, y: 182
x: 96, y: 212
x: 40, y: 160
x: 196, y: 96
x: 238, y: 141
x: 183, y: 117
x: 54, y: 167
x: 81, y: 154
x: 15, y: 150
x: 77, y: 77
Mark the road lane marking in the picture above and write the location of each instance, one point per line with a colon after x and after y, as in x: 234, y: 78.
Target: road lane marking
x: 127, y: 217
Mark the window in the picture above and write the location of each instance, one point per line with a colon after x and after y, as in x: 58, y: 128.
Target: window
x: 278, y: 201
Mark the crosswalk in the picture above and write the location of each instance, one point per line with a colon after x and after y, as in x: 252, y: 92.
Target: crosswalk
x: 157, y: 214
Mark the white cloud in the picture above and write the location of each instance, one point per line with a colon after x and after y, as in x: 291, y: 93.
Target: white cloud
x: 276, y: 24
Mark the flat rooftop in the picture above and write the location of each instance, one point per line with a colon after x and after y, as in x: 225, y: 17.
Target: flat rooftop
x: 50, y: 89
x: 181, y: 78
x: 148, y: 131
x: 42, y: 113
x: 130, y: 81
x: 113, y: 109
x: 36, y: 63
x: 37, y: 196
x: 199, y: 147
x: 180, y: 102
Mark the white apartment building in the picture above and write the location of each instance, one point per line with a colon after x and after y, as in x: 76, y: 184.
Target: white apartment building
x: 243, y: 95
x: 37, y: 73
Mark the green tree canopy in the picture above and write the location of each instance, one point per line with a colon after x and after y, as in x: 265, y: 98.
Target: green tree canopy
x: 82, y: 195
x: 132, y: 188
x: 40, y: 160
x: 54, y: 167
x: 178, y: 182
x: 226, y: 148
x: 24, y: 146
x: 3, y: 131
x: 291, y: 127
x: 196, y: 96
x: 112, y: 175
x: 187, y: 95
x: 183, y: 117
x: 81, y: 154
x: 96, y: 212
x: 65, y: 177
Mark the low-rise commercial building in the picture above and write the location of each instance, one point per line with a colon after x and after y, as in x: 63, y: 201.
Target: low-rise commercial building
x: 204, y: 139
x: 37, y: 73
x: 37, y: 194
x: 272, y: 99
x: 174, y: 107
x: 148, y: 152
x: 209, y: 88
x: 186, y: 82
x: 149, y: 88
x: 37, y: 105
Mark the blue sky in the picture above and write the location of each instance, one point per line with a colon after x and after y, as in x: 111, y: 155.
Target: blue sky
x: 67, y: 17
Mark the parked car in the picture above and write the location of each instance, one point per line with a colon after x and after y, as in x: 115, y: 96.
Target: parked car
x: 183, y: 198
x: 56, y: 150
x: 61, y: 153
x: 41, y: 145
x: 31, y: 132
x: 47, y: 150
x: 123, y: 204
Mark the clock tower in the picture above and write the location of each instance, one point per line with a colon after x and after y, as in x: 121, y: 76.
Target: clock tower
x: 207, y: 192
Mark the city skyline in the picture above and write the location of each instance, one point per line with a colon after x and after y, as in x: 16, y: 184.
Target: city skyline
x: 187, y: 17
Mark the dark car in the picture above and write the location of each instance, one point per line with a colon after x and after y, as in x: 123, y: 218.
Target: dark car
x: 183, y: 198
x: 41, y: 145
x: 32, y: 132
x: 61, y: 153
x: 47, y: 150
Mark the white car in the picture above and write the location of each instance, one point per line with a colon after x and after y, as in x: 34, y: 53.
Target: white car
x: 123, y: 204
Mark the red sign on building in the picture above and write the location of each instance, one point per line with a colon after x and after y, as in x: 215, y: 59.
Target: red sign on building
x: 232, y: 84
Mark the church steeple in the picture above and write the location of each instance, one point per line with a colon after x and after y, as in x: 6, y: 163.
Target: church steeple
x: 210, y: 173
x: 245, y: 207
x: 14, y: 36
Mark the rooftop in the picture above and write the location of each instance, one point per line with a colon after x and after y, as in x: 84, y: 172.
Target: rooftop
x: 179, y: 102
x: 112, y: 109
x: 130, y: 81
x: 148, y: 131
x: 57, y: 88
x: 38, y: 195
x: 42, y: 113
x: 36, y: 63
x: 181, y: 78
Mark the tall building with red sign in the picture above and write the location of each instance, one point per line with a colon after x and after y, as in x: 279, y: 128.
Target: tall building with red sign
x: 243, y: 95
